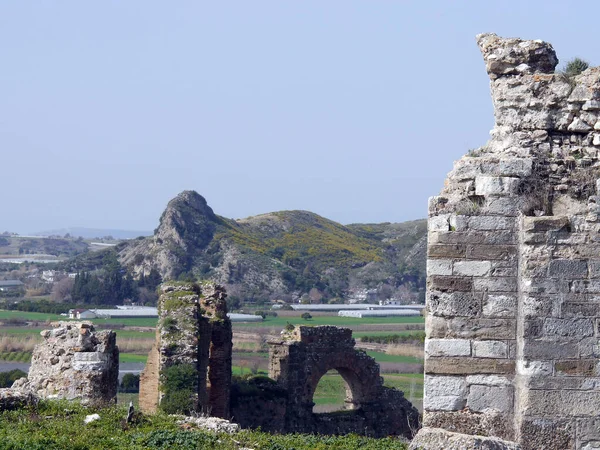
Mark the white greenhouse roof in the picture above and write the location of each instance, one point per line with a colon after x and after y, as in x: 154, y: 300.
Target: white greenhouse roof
x: 380, y: 313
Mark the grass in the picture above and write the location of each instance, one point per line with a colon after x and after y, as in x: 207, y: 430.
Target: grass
x: 132, y: 358
x: 58, y: 425
x: 4, y: 314
x: 329, y: 320
x: 24, y: 357
x: 358, y: 334
x: 384, y: 357
x: 331, y: 390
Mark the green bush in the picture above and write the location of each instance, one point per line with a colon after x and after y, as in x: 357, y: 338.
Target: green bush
x: 8, y: 378
x: 130, y: 383
x: 179, y: 384
x: 575, y: 66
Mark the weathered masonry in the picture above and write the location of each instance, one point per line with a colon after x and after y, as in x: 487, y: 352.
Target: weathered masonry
x: 193, y: 343
x: 299, y: 360
x: 514, y: 264
x: 74, y: 361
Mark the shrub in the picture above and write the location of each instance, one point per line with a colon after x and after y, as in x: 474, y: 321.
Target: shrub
x: 574, y: 67
x: 8, y: 378
x: 130, y: 383
x: 306, y: 316
x: 179, y: 384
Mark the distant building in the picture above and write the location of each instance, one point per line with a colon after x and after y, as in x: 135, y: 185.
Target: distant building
x: 10, y: 285
x: 81, y: 314
x: 125, y: 312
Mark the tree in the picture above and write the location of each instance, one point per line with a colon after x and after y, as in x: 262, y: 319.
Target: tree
x: 306, y: 316
x: 61, y: 290
x: 130, y: 383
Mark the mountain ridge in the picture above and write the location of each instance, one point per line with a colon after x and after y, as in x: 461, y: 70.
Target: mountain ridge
x: 284, y: 254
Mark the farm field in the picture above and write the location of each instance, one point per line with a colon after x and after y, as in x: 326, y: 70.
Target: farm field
x: 319, y: 319
x: 401, y: 365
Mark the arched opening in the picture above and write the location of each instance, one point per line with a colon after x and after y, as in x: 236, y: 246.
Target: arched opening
x: 332, y: 393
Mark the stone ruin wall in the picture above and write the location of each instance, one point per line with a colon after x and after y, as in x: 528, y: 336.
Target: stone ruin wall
x: 192, y: 329
x: 73, y: 362
x: 302, y: 356
x: 513, y: 272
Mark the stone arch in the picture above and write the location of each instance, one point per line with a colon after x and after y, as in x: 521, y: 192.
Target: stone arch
x: 359, y: 371
x: 304, y: 355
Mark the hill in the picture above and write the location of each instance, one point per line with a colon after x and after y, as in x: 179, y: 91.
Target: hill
x: 280, y: 255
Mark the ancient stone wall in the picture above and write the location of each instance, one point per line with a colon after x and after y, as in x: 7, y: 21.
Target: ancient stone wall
x: 513, y: 290
x: 193, y: 336
x: 259, y: 402
x: 74, y: 362
x: 302, y: 356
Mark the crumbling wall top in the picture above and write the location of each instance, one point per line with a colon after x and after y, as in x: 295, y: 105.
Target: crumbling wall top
x: 512, y: 56
x: 324, y: 335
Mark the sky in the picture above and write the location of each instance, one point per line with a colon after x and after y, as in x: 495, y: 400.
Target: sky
x: 354, y: 110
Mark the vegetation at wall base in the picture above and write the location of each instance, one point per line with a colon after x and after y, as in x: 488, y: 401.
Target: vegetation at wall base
x: 179, y: 384
x: 60, y: 425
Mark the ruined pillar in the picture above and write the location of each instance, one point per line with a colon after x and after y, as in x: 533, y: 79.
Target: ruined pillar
x: 193, y: 346
x: 513, y: 286
x: 74, y: 362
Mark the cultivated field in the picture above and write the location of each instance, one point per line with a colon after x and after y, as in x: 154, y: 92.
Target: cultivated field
x: 401, y: 363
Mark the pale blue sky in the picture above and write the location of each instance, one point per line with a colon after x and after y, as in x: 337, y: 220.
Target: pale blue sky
x: 354, y: 110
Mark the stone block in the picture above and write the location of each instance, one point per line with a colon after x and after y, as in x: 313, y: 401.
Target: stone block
x: 534, y: 368
x: 469, y: 168
x: 439, y: 267
x: 448, y: 347
x: 568, y: 327
x: 468, y: 366
x: 442, y: 393
x: 490, y: 423
x: 560, y: 383
x: 490, y: 349
x: 536, y: 306
x: 454, y: 304
x: 495, y: 398
x: 568, y: 269
x: 492, y: 185
x: 439, y: 223
x: 547, y: 433
x: 587, y: 251
x: 576, y: 367
x: 479, y: 328
x: 488, y: 380
x: 504, y: 269
x: 546, y: 403
x: 472, y: 268
x: 491, y: 223
x: 459, y: 222
x: 544, y: 286
x: 588, y: 429
x: 545, y: 223
x: 532, y: 328
x: 495, y: 284
x: 453, y: 284
x: 585, y: 286
x: 446, y: 251
x: 572, y: 309
x: 594, y: 268
x: 498, y: 305
x: 438, y: 439
x: 547, y: 350
x: 491, y: 252
x: 501, y: 206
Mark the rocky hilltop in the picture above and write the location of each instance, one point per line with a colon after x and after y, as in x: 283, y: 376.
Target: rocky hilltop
x: 284, y: 254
